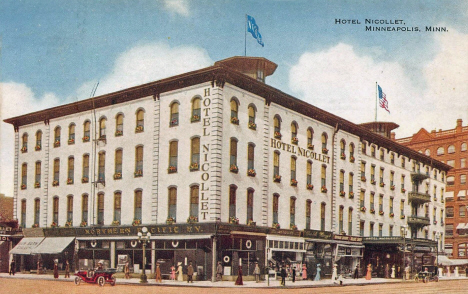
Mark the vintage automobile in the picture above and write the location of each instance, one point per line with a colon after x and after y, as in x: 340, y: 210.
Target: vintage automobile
x: 430, y: 273
x: 101, y: 277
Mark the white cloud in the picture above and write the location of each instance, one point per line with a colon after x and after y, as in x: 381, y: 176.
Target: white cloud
x: 177, y: 6
x: 342, y: 82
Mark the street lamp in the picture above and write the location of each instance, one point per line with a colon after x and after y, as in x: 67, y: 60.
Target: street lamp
x: 144, y: 237
x: 403, y: 235
x: 437, y: 248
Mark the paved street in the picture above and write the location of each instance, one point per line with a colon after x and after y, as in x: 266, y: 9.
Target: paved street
x: 47, y: 285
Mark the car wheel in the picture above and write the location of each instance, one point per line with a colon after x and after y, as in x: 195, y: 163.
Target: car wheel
x: 112, y: 282
x: 77, y: 281
x: 101, y: 281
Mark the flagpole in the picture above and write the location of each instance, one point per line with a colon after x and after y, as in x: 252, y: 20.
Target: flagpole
x: 245, y: 37
x: 376, y: 99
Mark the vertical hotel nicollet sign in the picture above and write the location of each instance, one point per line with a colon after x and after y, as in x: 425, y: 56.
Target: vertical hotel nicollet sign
x: 205, y: 164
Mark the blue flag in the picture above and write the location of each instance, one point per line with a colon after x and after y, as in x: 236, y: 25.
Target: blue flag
x: 253, y: 29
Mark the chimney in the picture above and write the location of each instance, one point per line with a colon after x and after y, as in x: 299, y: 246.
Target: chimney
x: 459, y: 125
x: 392, y: 136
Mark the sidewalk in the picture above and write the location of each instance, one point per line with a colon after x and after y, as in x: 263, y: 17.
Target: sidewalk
x: 230, y: 284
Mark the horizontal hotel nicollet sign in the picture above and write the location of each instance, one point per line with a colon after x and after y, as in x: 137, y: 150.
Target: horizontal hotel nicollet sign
x: 299, y: 151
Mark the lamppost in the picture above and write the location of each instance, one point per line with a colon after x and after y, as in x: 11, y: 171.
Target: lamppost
x: 403, y: 236
x: 437, y: 249
x: 144, y: 237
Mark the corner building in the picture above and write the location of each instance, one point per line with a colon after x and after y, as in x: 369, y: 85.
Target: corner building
x: 218, y: 166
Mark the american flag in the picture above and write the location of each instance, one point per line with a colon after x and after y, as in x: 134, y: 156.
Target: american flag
x: 383, y: 99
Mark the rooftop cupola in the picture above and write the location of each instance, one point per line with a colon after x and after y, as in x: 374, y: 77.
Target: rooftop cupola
x: 255, y: 67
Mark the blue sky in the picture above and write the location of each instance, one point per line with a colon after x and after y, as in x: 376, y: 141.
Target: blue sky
x: 53, y: 52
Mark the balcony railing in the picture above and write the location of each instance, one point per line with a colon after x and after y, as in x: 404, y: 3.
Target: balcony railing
x: 418, y: 220
x: 419, y: 198
x: 418, y: 176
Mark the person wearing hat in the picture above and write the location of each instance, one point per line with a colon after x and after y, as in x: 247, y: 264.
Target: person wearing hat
x: 283, y: 275
x: 127, y: 270
x: 219, y: 272
x: 190, y: 273
x: 100, y: 265
x: 158, y: 273
x: 257, y: 272
x: 56, y: 274
x: 180, y: 275
x: 67, y: 269
x: 317, y: 276
x: 369, y: 272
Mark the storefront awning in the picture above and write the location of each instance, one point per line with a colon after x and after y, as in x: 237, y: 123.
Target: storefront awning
x: 461, y: 226
x: 26, y: 245
x: 53, y: 245
x: 444, y: 260
x: 448, y: 194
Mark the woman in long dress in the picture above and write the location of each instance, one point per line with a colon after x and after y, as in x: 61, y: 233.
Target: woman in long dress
x: 304, y: 271
x: 180, y: 276
x: 173, y: 273
x: 369, y: 272
x: 239, y: 277
x: 317, y: 276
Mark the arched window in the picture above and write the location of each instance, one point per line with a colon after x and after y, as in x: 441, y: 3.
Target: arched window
x: 233, y: 156
x: 293, y: 171
x: 232, y: 202
x: 342, y: 149
x: 252, y: 113
x: 119, y: 125
x: 100, y: 209
x: 118, y: 164
x: 309, y: 175
x: 85, y: 177
x: 340, y: 219
x: 71, y: 134
x: 140, y: 121
x: 294, y: 139
x: 102, y: 128
x: 138, y: 204
x: 250, y: 202
x: 351, y: 152
x: 84, y: 209
x: 139, y: 161
x: 323, y: 206
x: 38, y: 140
x: 196, y: 109
x: 277, y: 126
x: 324, y: 143
x: 24, y: 146
x: 173, y: 156
x: 37, y: 211
x: 292, y: 212
x: 440, y: 151
x: 37, y: 180
x: 308, y: 214
x: 382, y: 154
x: 86, y: 131
x: 342, y: 192
x: 372, y: 150
x: 451, y: 149
x: 71, y: 170
x: 350, y: 221
x: 56, y: 181
x: 57, y: 131
x: 275, y: 208
x: 234, y: 111
x: 24, y: 176
x: 194, y: 202
x: 102, y: 167
x: 55, y: 210
x: 117, y: 207
x: 427, y: 152
x: 324, y: 178
x: 276, y: 165
x: 251, y: 159
x: 350, y: 183
x: 172, y: 212
x: 174, y: 114
x: 70, y: 210
x: 195, y: 154
x: 23, y: 213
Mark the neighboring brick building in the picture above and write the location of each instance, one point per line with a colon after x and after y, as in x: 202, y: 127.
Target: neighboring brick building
x: 450, y: 147
x: 8, y: 228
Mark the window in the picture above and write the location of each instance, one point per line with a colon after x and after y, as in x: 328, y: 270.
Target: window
x: 293, y: 171
x: 448, y: 230
x: 403, y: 162
x: 449, y: 211
x: 250, y: 159
x: 381, y: 203
x: 363, y: 148
x: 372, y: 174
x: 392, y: 180
x: 372, y: 196
x: 37, y: 211
x: 462, y: 248
x: 392, y: 158
x: 140, y: 121
x: 351, y: 152
x: 463, y: 163
x: 234, y: 111
x: 38, y: 140
x: 342, y: 172
x: 24, y: 147
x: 196, y: 109
x: 382, y: 154
x: 85, y: 177
x: 233, y: 156
x: 372, y: 151
x: 277, y: 126
x: 276, y: 165
x: 138, y: 204
x: 462, y: 210
x: 294, y: 139
x: 382, y: 184
x: 100, y: 209
x: 440, y: 151
x: 322, y: 216
x: 24, y: 176
x: 390, y: 204
x: 252, y: 114
x: 309, y: 174
x: 450, y: 180
x: 342, y: 149
x: 292, y: 211
x: 118, y: 164
x: 57, y: 137
x: 86, y: 131
x: 119, y: 125
x: 310, y: 137
x: 102, y: 128
x: 340, y: 220
x: 463, y: 146
x: 71, y: 170
x: 194, y: 199
x: 55, y: 210
x: 462, y: 179
x: 102, y: 167
x: 173, y: 155
x: 71, y: 134
x: 362, y: 199
x: 324, y: 178
x: 361, y: 228
x: 390, y: 230
x: 195, y: 154
x: 308, y: 212
x: 350, y: 221
x: 139, y: 159
x: 451, y: 149
x: 324, y: 143
x: 172, y: 212
x: 174, y: 114
x: 37, y: 180
x: 23, y: 213
x: 117, y: 207
x: 84, y: 208
x: 371, y: 229
x: 380, y: 230
x: 232, y: 201
x: 56, y: 172
x: 70, y: 209
x: 363, y: 171
x: 275, y: 208
x: 403, y: 183
x: 350, y: 183
x: 451, y: 162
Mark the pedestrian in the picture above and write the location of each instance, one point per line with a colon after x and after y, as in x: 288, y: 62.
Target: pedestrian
x: 356, y: 272
x: 407, y: 272
x: 294, y: 274
x: 180, y: 275
x: 56, y: 274
x: 158, y: 273
x: 283, y: 275
x: 369, y: 272
x: 317, y: 275
x: 334, y: 273
x: 239, y: 277
x: 219, y: 272
x: 190, y: 273
x: 173, y: 271
x: 127, y: 270
x: 12, y: 267
x: 304, y: 271
x: 67, y: 269
x: 393, y: 272
x: 257, y: 273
